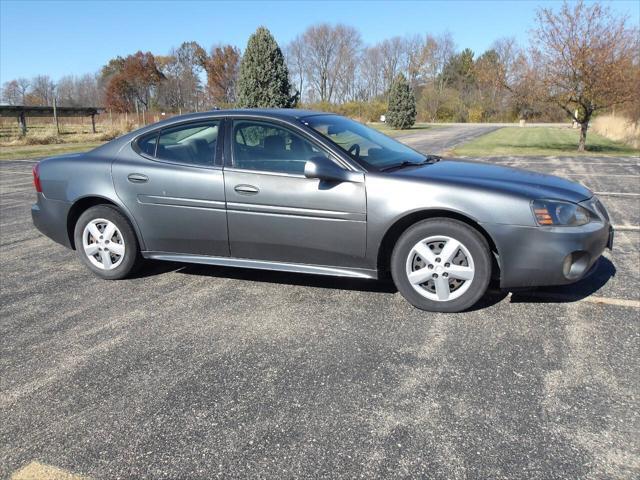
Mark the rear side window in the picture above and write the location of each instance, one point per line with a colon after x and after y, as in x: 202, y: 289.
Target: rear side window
x: 191, y: 144
x: 148, y: 144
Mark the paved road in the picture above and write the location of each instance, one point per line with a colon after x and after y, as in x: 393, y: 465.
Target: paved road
x: 445, y: 137
x: 202, y: 372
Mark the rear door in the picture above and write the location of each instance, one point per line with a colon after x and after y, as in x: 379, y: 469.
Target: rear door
x: 172, y: 182
x: 275, y: 213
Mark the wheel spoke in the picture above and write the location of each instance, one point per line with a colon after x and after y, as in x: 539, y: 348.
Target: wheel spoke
x: 106, y: 259
x: 449, y: 250
x: 424, y: 252
x: 91, y: 249
x: 95, y: 233
x: 109, y: 230
x: 442, y: 287
x: 420, y: 276
x: 116, y: 248
x: 460, y: 272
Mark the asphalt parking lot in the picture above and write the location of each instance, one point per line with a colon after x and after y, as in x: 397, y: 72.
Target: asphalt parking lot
x: 204, y: 372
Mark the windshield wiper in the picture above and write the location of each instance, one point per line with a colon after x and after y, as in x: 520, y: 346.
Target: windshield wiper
x: 428, y: 160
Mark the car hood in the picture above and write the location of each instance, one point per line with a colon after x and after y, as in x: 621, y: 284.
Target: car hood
x: 493, y: 177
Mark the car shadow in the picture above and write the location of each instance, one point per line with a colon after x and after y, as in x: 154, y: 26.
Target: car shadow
x: 601, y: 274
x: 152, y: 268
x: 603, y: 271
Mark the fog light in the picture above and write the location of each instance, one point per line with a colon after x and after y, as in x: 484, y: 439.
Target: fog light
x: 575, y: 264
x: 566, y: 265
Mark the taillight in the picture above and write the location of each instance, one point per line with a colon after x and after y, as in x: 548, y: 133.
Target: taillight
x: 36, y: 177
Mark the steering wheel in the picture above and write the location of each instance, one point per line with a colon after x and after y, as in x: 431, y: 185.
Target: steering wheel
x: 355, y: 149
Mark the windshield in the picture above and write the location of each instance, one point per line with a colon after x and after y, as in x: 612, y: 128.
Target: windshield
x: 365, y: 145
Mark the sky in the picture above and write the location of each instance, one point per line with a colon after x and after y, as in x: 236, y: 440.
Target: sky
x: 60, y: 38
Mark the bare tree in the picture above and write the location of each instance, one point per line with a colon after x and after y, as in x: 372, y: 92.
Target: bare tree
x: 330, y: 53
x: 11, y: 93
x: 393, y: 59
x: 23, y: 88
x: 295, y: 56
x: 371, y: 73
x: 414, y: 46
x: 436, y: 54
x: 586, y: 57
x: 42, y: 90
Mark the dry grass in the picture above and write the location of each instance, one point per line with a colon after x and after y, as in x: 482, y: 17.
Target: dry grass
x: 42, y: 138
x: 617, y: 128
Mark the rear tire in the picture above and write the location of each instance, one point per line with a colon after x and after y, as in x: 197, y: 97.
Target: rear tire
x: 441, y: 265
x: 106, y: 243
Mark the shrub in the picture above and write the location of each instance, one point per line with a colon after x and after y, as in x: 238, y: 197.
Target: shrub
x: 109, y: 135
x: 42, y: 140
x: 402, y: 104
x: 476, y: 114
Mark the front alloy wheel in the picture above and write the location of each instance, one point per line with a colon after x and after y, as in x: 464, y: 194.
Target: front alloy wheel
x: 441, y: 265
x: 440, y: 268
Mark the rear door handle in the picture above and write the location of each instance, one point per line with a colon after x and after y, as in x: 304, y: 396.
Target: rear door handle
x: 246, y: 189
x: 137, y: 178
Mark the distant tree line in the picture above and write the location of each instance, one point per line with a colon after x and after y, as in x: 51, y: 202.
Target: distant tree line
x: 581, y: 59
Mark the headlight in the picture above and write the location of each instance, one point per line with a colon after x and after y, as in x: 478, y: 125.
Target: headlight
x: 556, y: 212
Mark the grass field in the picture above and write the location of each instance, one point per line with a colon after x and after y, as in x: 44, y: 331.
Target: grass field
x: 540, y: 141
x: 14, y: 152
x: 392, y: 132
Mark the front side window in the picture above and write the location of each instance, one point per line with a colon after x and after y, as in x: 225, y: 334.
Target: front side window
x: 363, y: 144
x: 268, y: 147
x: 191, y: 144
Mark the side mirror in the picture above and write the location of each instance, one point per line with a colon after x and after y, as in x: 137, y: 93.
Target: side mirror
x: 324, y: 169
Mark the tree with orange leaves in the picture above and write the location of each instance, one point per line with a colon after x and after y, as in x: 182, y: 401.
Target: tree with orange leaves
x: 130, y: 80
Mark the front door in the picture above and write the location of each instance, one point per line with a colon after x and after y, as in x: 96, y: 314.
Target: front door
x: 170, y: 182
x: 275, y: 213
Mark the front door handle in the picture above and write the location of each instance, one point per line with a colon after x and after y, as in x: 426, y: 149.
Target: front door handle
x: 137, y: 178
x: 246, y: 189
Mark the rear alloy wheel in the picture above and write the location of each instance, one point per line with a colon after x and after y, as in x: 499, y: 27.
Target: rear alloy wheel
x: 106, y: 242
x: 103, y: 244
x: 441, y: 265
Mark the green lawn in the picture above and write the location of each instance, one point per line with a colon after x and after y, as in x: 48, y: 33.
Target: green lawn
x: 540, y: 141
x: 13, y: 152
x: 392, y: 132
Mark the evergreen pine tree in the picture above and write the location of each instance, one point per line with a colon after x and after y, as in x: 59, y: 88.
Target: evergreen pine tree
x: 263, y: 80
x: 402, y: 104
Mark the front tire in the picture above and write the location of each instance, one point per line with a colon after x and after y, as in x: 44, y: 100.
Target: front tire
x: 106, y: 243
x: 441, y: 265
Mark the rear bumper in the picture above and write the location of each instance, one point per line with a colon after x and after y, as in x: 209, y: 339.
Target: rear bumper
x: 50, y: 217
x: 536, y: 256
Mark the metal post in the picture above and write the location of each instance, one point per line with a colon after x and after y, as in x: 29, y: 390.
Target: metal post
x: 93, y: 122
x: 22, y: 121
x: 55, y: 116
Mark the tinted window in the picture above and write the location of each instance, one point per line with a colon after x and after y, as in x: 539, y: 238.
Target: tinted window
x: 268, y: 147
x: 148, y: 144
x: 364, y: 144
x: 192, y: 144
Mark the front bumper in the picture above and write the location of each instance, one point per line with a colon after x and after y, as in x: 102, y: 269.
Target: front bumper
x: 536, y: 256
x: 50, y: 217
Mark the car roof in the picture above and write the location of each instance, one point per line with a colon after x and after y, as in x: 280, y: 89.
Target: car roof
x: 284, y: 113
x: 278, y: 113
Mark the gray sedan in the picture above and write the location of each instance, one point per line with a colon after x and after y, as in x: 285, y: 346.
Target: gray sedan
x: 317, y: 193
